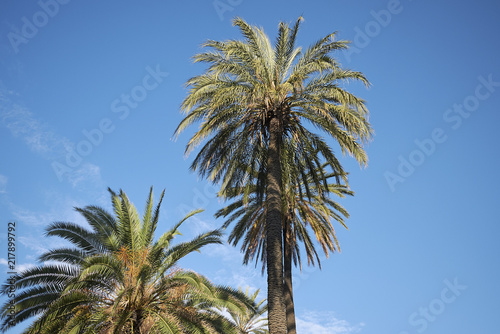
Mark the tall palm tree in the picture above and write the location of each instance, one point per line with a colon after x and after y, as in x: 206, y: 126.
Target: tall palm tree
x: 255, y: 97
x: 117, y: 278
x: 301, y: 210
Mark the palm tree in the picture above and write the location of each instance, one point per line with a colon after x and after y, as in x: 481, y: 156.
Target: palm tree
x: 251, y: 322
x: 252, y: 102
x: 118, y: 279
x: 301, y: 209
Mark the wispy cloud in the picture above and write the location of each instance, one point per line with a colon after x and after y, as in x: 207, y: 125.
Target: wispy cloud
x: 19, y: 267
x: 197, y: 225
x: 325, y: 323
x: 22, y: 123
x: 241, y: 277
x: 235, y: 273
x: 225, y: 252
x: 40, y: 139
x: 30, y: 224
x: 37, y: 246
x: 87, y: 172
x: 61, y: 209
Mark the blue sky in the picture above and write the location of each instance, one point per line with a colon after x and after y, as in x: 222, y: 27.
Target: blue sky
x: 89, y: 99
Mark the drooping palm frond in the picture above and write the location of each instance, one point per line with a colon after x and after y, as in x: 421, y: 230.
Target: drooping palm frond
x: 305, y: 208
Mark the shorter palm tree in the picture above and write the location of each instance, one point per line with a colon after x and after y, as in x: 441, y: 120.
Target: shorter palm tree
x: 117, y: 278
x: 250, y: 322
x: 305, y: 206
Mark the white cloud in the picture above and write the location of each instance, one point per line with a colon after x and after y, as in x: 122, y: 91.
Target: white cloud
x: 19, y: 267
x: 88, y: 173
x: 37, y: 245
x: 32, y: 218
x: 22, y: 123
x: 61, y: 210
x: 196, y: 225
x: 325, y: 323
x: 237, y: 275
x: 58, y: 207
x: 32, y: 223
x: 224, y: 252
x: 24, y: 266
x: 37, y: 135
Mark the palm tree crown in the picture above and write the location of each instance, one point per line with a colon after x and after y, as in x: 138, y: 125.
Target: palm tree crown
x: 249, y: 83
x: 118, y: 278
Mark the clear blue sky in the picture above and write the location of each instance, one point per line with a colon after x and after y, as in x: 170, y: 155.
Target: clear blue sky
x: 421, y: 253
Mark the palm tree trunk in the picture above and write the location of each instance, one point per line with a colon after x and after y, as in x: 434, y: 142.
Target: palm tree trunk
x: 290, y: 308
x: 274, y: 251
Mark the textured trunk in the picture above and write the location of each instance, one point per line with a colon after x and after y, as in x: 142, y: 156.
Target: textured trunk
x: 276, y: 308
x: 290, y: 309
